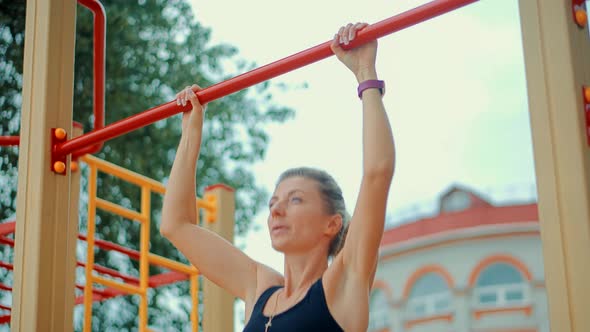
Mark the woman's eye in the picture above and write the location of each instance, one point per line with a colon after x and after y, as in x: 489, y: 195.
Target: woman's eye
x: 295, y: 199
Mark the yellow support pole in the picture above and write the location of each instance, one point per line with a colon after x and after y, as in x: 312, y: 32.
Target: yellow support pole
x: 41, y: 288
x: 90, y: 248
x: 195, y: 301
x: 557, y: 59
x: 144, y: 266
x: 72, y: 231
x: 219, y: 304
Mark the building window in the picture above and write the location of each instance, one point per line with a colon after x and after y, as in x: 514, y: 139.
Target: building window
x: 378, y: 311
x: 500, y: 285
x: 456, y: 201
x: 430, y: 296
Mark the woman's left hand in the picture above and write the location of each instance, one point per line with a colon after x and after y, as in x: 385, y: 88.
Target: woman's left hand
x: 360, y: 60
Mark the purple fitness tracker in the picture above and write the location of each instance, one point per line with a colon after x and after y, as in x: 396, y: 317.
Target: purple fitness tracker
x: 368, y: 84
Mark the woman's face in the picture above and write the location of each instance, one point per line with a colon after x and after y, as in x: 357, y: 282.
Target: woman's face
x: 298, y: 220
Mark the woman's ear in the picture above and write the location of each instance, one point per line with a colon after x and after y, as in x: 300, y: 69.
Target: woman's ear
x: 334, y: 225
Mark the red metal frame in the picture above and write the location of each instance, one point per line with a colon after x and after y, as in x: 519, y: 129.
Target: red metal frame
x: 99, y: 71
x: 311, y: 55
x: 154, y: 281
x: 99, y: 78
x: 9, y: 140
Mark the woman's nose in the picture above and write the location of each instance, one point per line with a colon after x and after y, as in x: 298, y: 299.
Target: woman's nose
x: 277, y: 209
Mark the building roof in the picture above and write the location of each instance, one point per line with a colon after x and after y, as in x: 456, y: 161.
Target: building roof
x: 477, y: 212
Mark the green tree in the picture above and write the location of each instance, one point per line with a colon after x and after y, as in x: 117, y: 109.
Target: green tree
x: 12, y: 36
x: 154, y: 48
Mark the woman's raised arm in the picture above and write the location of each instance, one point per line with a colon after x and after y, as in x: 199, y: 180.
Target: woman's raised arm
x: 217, y: 259
x: 360, y: 251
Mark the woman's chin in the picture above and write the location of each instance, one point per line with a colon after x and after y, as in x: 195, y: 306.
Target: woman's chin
x: 282, y: 245
x: 278, y: 246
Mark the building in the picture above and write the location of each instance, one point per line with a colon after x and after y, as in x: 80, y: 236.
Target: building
x: 474, y: 267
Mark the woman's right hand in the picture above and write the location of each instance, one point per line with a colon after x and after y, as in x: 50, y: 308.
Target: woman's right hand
x: 193, y: 119
x: 361, y: 59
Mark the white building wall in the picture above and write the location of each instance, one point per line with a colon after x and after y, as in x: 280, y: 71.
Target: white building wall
x: 459, y: 259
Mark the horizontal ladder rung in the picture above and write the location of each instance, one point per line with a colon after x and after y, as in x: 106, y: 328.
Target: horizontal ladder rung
x: 119, y: 210
x: 172, y: 265
x: 129, y: 289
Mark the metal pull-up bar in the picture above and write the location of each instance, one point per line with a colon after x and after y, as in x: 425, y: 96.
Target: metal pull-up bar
x: 98, y: 64
x: 261, y: 74
x: 99, y: 41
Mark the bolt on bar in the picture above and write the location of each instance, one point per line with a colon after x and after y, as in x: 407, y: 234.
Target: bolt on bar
x: 258, y: 75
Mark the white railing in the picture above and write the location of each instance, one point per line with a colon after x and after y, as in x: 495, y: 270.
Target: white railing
x: 379, y: 320
x: 429, y: 305
x: 501, y: 295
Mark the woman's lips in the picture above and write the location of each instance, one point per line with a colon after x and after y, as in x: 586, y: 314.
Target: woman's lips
x: 279, y: 229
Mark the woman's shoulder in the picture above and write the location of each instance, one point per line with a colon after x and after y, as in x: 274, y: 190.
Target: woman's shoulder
x: 341, y: 288
x: 266, y: 277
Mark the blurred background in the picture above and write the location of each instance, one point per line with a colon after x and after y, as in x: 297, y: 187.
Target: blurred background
x: 461, y: 211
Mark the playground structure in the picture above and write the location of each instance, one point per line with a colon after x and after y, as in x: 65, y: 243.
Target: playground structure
x: 556, y: 48
x: 130, y: 285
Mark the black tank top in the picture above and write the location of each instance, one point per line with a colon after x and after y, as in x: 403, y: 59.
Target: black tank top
x: 309, y: 314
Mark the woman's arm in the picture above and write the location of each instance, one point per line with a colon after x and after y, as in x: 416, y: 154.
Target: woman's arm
x: 360, y: 251
x: 217, y: 259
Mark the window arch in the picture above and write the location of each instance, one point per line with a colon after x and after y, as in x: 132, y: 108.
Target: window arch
x: 429, y: 292
x: 378, y: 311
x: 499, y: 259
x: 428, y: 284
x: 499, y: 274
x: 501, y: 282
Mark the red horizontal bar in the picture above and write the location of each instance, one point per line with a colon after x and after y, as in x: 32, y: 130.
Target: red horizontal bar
x: 4, y: 319
x: 258, y: 75
x: 113, y: 273
x: 113, y: 246
x: 166, y: 278
x: 7, y: 227
x: 154, y: 281
x: 7, y: 266
x: 5, y: 307
x: 5, y: 287
x: 9, y: 140
x: 101, y: 292
x: 5, y: 240
x: 106, y: 245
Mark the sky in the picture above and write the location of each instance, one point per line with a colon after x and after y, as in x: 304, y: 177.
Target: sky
x: 456, y: 99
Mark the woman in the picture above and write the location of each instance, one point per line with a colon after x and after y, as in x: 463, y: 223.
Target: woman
x: 307, y: 223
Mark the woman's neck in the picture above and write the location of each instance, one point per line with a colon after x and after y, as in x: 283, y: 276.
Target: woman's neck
x: 301, y: 271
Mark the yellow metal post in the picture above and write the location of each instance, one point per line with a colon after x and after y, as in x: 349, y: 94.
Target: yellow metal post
x: 90, y: 248
x: 557, y: 58
x: 195, y: 301
x: 219, y: 304
x: 72, y: 239
x: 42, y: 277
x: 144, y: 256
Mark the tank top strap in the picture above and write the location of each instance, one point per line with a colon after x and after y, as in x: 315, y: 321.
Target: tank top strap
x: 259, y: 305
